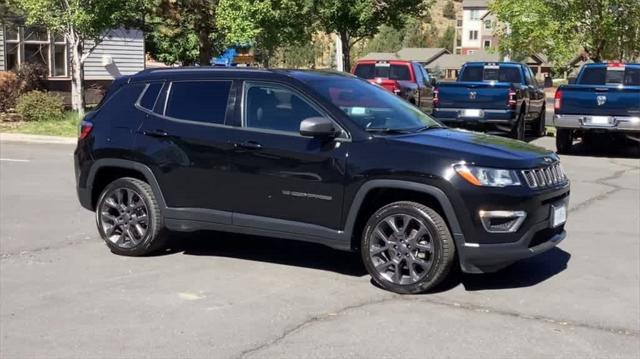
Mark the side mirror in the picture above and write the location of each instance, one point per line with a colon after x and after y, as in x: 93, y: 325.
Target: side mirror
x: 433, y: 82
x: 318, y: 127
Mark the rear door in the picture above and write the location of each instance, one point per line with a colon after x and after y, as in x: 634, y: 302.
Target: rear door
x: 425, y: 91
x: 279, y: 174
x: 184, y: 140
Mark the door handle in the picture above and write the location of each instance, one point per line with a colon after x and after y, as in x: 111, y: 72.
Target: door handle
x: 155, y: 133
x: 248, y: 145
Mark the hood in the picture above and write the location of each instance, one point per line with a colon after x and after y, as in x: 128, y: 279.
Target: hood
x: 479, y: 148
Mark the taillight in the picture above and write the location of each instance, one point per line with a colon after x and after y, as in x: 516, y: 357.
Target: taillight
x: 436, y: 97
x: 557, y: 100
x: 85, y: 129
x: 512, y: 98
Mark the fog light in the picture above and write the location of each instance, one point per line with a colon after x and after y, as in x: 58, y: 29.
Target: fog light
x: 502, y: 221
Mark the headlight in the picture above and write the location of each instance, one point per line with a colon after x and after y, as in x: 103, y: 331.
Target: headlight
x: 489, y: 177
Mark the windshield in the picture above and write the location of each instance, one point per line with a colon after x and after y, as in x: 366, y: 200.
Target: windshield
x: 371, y: 107
x: 383, y: 70
x: 509, y: 74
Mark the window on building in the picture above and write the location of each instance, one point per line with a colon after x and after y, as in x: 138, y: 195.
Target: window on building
x: 474, y: 15
x: 459, y: 22
x: 37, y: 46
x: 486, y: 44
x: 473, y: 35
x: 487, y: 25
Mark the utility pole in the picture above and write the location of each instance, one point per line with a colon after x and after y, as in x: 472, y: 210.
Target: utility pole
x: 339, y: 62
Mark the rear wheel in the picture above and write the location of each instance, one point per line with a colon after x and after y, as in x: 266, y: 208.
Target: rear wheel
x: 518, y: 130
x: 129, y: 219
x: 564, y: 140
x: 407, y: 248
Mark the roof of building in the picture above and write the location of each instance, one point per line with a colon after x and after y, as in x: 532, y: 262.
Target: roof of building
x: 450, y: 61
x: 421, y: 54
x: 475, y: 3
x: 380, y: 56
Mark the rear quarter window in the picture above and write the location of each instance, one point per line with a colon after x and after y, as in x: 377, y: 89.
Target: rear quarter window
x: 199, y: 101
x: 150, y: 96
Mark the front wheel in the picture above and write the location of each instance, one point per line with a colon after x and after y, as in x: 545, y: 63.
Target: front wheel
x: 407, y: 248
x: 129, y: 219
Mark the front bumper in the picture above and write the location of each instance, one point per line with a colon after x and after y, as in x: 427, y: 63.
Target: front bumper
x: 484, y: 252
x: 617, y: 123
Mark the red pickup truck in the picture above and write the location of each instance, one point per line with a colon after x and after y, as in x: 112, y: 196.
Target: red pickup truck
x: 407, y: 79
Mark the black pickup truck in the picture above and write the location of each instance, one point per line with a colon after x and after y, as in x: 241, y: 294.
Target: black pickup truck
x: 501, y: 96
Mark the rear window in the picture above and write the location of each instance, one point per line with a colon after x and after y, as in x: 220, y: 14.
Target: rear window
x: 383, y: 70
x: 200, y: 101
x: 150, y: 96
x: 509, y: 74
x: 600, y: 75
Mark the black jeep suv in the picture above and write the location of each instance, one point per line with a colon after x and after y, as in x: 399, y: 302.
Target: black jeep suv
x: 314, y: 156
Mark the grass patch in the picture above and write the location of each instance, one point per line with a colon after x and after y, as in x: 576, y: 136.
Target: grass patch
x: 68, y: 127
x: 551, y: 131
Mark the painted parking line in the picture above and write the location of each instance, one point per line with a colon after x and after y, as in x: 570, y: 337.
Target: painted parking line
x: 13, y: 160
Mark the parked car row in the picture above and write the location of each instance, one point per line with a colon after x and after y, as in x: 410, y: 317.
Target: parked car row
x: 506, y: 97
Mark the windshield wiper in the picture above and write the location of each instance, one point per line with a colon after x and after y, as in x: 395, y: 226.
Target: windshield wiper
x: 426, y: 128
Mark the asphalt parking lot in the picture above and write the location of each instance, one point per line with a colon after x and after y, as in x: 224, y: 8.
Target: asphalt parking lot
x: 214, y: 295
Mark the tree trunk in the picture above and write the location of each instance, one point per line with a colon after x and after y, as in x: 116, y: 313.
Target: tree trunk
x: 346, y: 52
x: 206, y: 48
x: 77, y: 76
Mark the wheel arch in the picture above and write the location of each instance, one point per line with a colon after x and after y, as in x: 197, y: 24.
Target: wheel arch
x: 105, y: 171
x: 375, y: 193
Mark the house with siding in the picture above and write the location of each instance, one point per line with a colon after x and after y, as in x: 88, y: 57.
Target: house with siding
x: 121, y: 52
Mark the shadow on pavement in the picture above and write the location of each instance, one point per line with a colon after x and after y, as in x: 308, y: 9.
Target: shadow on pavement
x: 524, y: 273
x: 271, y: 250
x: 607, y: 149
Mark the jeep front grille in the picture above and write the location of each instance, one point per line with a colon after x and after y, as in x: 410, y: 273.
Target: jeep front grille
x: 545, y: 176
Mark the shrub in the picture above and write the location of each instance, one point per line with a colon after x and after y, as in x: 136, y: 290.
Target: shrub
x: 40, y: 106
x: 32, y: 76
x: 9, y: 90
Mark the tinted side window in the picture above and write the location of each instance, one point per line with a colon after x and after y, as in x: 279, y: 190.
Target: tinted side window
x: 150, y: 96
x: 273, y: 107
x: 201, y: 101
x: 419, y: 76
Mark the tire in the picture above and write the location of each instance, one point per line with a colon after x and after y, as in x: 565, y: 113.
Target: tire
x: 539, y: 129
x: 387, y: 252
x: 518, y: 130
x: 564, y: 140
x: 125, y: 206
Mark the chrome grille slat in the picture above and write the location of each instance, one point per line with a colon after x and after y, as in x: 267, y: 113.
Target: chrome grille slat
x: 544, y: 177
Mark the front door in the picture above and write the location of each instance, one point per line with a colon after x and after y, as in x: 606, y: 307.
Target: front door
x: 280, y: 174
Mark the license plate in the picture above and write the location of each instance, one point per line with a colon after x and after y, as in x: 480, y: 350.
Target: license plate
x: 472, y: 113
x: 599, y: 120
x: 558, y: 214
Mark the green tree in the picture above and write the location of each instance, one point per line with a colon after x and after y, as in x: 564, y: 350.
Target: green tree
x: 447, y: 39
x: 387, y: 40
x: 266, y: 24
x: 84, y: 25
x: 355, y: 20
x: 183, y: 31
x: 603, y: 29
x: 449, y: 10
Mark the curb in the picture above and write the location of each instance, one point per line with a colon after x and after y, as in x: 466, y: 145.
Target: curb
x: 20, y: 137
